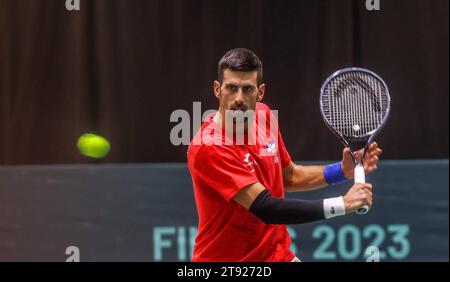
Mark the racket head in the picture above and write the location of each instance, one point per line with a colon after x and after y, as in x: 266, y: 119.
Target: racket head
x: 355, y: 104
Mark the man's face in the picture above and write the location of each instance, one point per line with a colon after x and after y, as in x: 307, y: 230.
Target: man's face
x: 238, y: 92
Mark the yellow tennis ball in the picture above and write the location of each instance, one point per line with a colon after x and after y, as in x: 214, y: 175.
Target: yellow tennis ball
x: 93, y: 146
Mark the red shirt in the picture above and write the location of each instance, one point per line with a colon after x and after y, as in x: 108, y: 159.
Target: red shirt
x: 227, y: 231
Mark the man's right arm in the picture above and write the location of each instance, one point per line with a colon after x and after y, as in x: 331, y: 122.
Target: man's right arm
x: 272, y: 210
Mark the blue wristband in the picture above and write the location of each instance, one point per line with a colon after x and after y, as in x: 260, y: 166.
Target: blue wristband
x: 333, y: 173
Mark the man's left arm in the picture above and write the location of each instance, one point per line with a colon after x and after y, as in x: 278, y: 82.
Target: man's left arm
x: 298, y: 178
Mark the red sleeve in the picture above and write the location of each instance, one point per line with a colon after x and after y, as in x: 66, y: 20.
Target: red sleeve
x: 284, y: 154
x: 221, y: 168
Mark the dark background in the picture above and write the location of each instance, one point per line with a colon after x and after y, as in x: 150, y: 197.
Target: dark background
x: 119, y: 68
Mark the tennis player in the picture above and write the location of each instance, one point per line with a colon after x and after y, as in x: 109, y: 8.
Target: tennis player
x: 240, y: 187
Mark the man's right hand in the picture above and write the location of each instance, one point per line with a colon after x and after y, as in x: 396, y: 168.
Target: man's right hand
x: 359, y: 195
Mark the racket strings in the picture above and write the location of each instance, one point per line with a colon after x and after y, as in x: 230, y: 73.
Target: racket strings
x: 355, y: 103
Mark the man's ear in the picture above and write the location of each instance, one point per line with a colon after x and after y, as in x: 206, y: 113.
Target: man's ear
x: 216, y: 87
x: 261, y: 90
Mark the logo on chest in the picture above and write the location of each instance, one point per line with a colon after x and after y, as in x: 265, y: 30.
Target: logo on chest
x: 249, y: 162
x: 271, y: 148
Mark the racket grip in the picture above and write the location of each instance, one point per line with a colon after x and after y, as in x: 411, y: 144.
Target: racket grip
x: 360, y: 177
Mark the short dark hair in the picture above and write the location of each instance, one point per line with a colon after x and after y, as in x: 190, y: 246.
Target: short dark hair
x: 240, y: 59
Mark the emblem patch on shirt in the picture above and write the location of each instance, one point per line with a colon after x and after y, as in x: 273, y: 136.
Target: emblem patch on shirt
x: 271, y: 147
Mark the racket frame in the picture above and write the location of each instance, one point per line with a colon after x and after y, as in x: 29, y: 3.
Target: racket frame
x: 355, y: 143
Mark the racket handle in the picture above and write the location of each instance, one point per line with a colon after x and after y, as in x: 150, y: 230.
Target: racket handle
x: 360, y: 177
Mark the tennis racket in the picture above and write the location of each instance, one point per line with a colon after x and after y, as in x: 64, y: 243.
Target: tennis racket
x: 355, y: 105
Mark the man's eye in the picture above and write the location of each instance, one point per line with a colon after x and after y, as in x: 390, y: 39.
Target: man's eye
x: 248, y: 89
x: 231, y: 87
